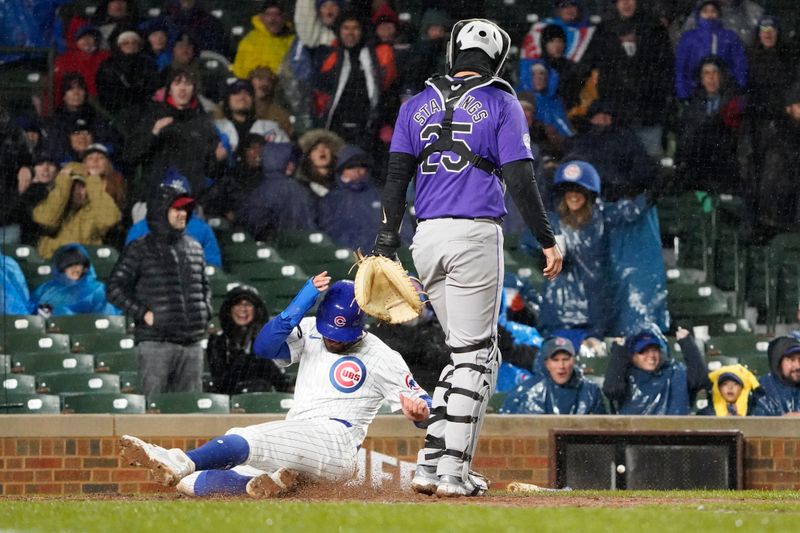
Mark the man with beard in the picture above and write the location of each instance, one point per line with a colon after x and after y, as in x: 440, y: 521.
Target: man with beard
x: 782, y: 384
x: 240, y: 119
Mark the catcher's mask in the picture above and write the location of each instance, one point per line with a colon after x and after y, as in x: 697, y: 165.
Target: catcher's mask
x: 338, y: 316
x: 478, y: 34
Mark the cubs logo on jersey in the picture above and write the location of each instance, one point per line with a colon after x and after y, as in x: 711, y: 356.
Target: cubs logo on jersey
x: 348, y: 374
x: 410, y: 383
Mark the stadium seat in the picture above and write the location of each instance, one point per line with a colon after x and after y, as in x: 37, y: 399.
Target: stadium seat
x: 133, y: 404
x: 30, y: 404
x: 188, y: 402
x: 701, y: 300
x: 103, y: 259
x: 783, y: 278
x: 715, y: 362
x: 128, y: 381
x: 23, y: 253
x: 740, y: 346
x: 72, y: 383
x: 249, y: 252
x: 298, y: 239
x: 87, y: 324
x: 524, y: 265
x: 262, y: 402
x: 116, y: 362
x: 234, y: 238
x: 265, y: 270
x: 594, y: 366
x: 12, y: 324
x: 101, y: 342
x: 5, y: 364
x: 338, y: 261
x: 717, y: 325
x: 35, y: 343
x: 19, y: 384
x: 496, y: 401
x: 38, y: 363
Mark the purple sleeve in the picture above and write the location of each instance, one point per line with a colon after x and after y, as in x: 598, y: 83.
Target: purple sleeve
x: 513, y: 139
x: 401, y: 139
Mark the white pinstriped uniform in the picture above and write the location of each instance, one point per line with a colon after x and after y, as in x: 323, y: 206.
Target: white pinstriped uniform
x: 349, y: 386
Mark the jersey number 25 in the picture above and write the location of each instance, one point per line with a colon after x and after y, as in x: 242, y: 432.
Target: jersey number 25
x: 451, y: 163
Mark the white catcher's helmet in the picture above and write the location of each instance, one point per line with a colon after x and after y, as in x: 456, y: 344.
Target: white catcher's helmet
x: 483, y: 35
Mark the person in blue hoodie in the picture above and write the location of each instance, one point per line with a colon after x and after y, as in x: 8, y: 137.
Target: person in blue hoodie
x: 644, y: 379
x: 15, y: 296
x: 74, y: 288
x: 576, y: 304
x: 782, y: 385
x: 196, y: 227
x: 708, y: 38
x: 536, y: 77
x: 557, y: 387
x: 280, y: 202
x: 351, y: 211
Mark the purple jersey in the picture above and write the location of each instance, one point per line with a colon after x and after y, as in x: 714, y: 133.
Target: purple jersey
x: 490, y: 122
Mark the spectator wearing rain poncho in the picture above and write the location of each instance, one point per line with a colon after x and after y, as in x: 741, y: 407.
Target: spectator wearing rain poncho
x: 643, y: 379
x: 734, y: 392
x: 74, y: 288
x: 782, y: 385
x: 576, y: 304
x: 557, y: 388
x: 14, y: 295
x: 537, y: 78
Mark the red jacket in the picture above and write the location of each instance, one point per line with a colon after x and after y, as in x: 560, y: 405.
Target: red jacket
x: 77, y: 61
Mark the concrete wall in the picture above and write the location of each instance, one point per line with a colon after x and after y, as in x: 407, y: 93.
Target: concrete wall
x: 74, y: 454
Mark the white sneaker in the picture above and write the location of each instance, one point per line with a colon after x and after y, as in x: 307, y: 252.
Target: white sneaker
x: 167, y: 466
x: 273, y: 485
x: 186, y: 485
x: 425, y: 480
x: 454, y: 487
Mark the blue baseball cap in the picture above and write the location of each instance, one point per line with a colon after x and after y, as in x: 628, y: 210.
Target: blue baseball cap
x: 645, y: 341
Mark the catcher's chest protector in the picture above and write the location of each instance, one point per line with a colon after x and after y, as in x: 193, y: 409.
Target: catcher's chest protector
x: 451, y: 92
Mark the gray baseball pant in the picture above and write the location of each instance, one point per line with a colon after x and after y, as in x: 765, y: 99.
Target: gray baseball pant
x: 460, y: 264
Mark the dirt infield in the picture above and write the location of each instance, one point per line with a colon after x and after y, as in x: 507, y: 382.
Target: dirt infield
x: 367, y: 494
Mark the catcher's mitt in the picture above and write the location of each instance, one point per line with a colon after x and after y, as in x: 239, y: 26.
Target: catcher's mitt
x: 384, y: 289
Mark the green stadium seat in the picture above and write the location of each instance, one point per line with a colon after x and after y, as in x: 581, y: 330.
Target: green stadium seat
x: 128, y: 381
x: 717, y: 325
x: 116, y: 362
x: 219, y: 281
x: 496, y: 402
x: 262, y: 402
x: 758, y: 365
x: 715, y: 362
x: 113, y: 403
x: 30, y: 404
x: 304, y: 239
x: 87, y: 324
x: 19, y: 384
x: 74, y: 383
x: 38, y: 363
x: 265, y: 270
x: 101, y: 342
x: 701, y: 300
x: 249, y: 252
x: 103, y: 259
x: 783, y: 281
x: 13, y: 324
x: 234, y: 239
x: 594, y: 366
x: 23, y: 253
x: 740, y: 346
x: 188, y: 402
x: 338, y: 261
x: 219, y: 224
x: 36, y: 343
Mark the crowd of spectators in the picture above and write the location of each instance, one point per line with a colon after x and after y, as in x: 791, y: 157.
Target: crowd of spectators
x: 145, y: 142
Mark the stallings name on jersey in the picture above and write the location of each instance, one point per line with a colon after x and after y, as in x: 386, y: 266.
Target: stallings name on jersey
x: 469, y: 103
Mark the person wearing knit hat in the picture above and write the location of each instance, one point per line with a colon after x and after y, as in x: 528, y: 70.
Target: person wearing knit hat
x: 127, y: 79
x: 240, y: 119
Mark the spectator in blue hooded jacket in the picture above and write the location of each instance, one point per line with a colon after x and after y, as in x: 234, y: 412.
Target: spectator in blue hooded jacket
x: 351, y: 211
x: 782, y: 385
x: 281, y: 202
x: 708, y: 38
x: 536, y: 77
x: 74, y: 288
x: 196, y: 227
x: 14, y: 295
x: 557, y: 388
x: 643, y: 379
x: 578, y: 299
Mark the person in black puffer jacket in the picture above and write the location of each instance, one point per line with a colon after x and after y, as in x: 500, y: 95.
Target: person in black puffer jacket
x: 234, y: 367
x: 160, y: 280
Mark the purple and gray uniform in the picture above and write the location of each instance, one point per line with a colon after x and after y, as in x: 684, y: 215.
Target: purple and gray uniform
x: 458, y: 245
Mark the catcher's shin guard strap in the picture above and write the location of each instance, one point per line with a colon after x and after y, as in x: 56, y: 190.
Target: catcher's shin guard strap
x: 458, y: 454
x: 485, y: 343
x: 467, y: 392
x: 434, y: 443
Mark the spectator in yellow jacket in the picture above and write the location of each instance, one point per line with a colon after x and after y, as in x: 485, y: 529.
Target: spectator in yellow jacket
x: 77, y: 209
x: 267, y: 43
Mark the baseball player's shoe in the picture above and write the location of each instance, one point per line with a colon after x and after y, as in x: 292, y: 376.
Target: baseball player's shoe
x: 272, y: 485
x: 425, y: 480
x: 167, y: 466
x: 454, y: 487
x: 186, y: 485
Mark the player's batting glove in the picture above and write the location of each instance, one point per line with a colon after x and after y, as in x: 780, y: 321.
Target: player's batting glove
x: 386, y: 244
